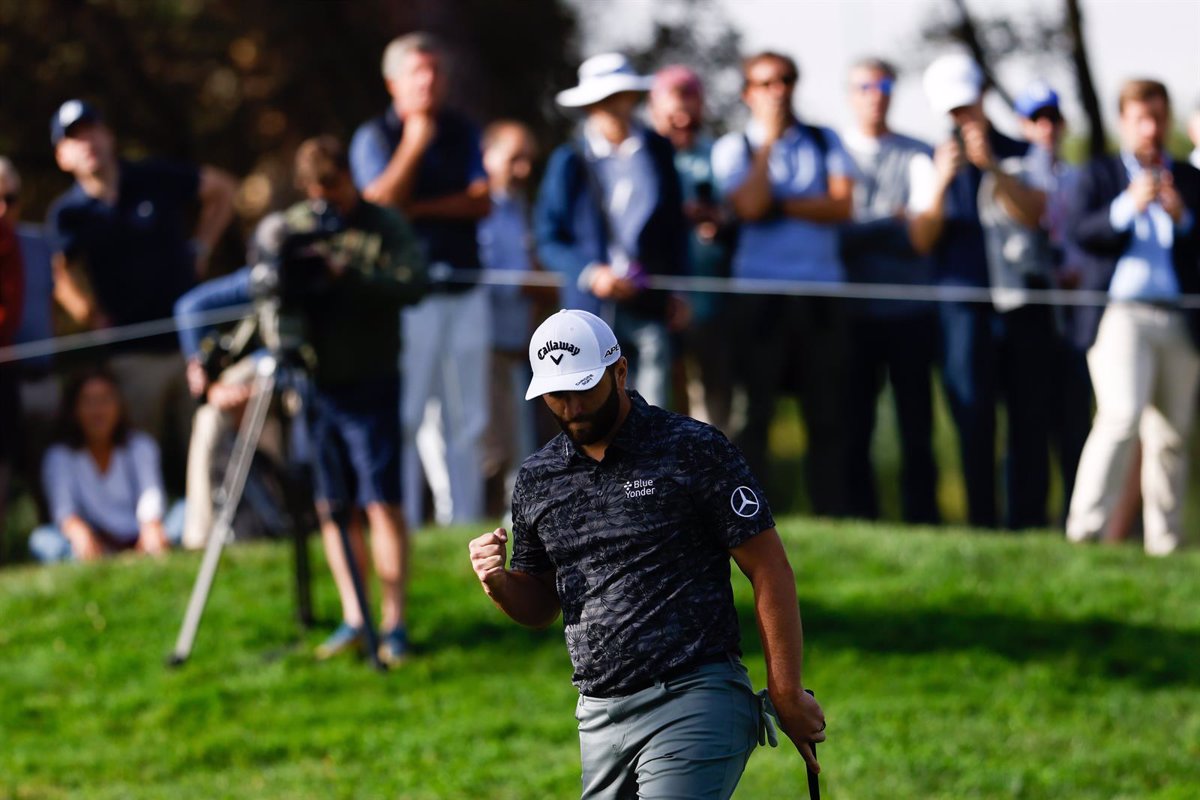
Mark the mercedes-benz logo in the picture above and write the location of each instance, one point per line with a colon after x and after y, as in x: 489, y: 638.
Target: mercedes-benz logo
x: 744, y: 502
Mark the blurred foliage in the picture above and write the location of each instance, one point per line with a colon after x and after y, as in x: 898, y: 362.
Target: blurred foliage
x: 239, y: 83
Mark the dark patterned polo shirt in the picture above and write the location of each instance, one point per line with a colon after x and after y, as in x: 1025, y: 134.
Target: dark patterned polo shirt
x: 639, y: 544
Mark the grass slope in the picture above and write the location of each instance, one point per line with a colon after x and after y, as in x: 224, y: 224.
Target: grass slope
x: 951, y: 665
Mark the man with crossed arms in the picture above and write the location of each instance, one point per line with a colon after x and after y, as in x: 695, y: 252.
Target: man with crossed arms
x: 625, y: 523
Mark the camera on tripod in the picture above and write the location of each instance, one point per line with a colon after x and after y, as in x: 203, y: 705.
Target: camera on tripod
x: 294, y: 266
x: 292, y: 270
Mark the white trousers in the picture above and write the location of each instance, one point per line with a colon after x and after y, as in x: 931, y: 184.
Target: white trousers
x: 444, y: 407
x: 1145, y: 370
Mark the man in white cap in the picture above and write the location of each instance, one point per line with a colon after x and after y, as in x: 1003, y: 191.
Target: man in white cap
x: 625, y: 524
x: 610, y: 214
x: 989, y: 350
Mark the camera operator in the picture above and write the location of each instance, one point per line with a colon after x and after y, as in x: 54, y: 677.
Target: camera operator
x: 367, y: 268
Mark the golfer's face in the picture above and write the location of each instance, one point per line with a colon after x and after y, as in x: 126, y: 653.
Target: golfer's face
x: 588, y: 416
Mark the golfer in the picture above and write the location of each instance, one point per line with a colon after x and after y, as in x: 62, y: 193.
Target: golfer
x: 625, y: 523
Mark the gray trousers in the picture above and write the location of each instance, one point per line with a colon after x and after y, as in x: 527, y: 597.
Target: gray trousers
x: 686, y: 738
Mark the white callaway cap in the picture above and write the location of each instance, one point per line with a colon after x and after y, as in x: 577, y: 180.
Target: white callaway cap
x: 569, y: 352
x: 953, y: 81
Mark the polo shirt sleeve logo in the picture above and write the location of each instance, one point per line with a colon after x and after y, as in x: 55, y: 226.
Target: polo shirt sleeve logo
x: 744, y: 502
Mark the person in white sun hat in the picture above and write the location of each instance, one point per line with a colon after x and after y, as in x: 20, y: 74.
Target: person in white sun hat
x: 610, y: 214
x: 625, y: 523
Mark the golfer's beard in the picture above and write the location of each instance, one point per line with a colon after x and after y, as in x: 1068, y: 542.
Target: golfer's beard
x: 590, y: 428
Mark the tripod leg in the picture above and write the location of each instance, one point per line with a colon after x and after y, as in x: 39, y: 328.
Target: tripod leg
x: 231, y: 491
x: 342, y: 517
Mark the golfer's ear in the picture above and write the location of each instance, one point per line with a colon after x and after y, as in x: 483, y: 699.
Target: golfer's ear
x: 621, y: 371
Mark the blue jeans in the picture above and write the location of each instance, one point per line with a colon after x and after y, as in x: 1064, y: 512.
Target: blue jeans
x: 228, y: 290
x: 989, y: 356
x: 48, y: 544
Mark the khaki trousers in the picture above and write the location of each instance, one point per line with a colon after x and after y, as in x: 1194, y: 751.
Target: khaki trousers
x: 1145, y: 370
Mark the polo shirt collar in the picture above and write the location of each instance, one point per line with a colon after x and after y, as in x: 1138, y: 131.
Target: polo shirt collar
x: 793, y: 134
x: 630, y: 436
x: 599, y: 147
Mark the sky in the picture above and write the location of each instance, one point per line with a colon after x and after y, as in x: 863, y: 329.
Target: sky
x: 1126, y: 38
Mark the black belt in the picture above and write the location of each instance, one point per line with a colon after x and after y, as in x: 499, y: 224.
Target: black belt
x: 670, y: 674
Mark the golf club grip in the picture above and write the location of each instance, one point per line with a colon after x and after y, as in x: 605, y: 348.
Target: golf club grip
x: 814, y: 782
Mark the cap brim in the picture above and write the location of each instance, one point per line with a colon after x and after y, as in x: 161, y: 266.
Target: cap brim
x: 572, y: 382
x: 594, y: 91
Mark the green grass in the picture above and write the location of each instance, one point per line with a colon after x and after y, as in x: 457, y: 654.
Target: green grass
x: 951, y: 665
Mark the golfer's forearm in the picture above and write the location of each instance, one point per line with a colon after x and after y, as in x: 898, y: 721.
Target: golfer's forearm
x: 526, y: 598
x: 779, y: 627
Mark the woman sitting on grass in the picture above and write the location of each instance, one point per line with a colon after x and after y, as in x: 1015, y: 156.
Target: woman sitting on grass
x: 102, y: 480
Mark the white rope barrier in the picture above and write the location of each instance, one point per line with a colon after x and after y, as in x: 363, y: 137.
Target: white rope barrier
x: 669, y: 283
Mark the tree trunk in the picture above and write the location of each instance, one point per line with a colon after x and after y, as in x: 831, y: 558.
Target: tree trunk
x: 969, y: 36
x: 1097, y: 142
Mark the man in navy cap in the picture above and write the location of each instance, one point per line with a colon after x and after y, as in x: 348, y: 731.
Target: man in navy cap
x: 1070, y: 406
x: 127, y: 254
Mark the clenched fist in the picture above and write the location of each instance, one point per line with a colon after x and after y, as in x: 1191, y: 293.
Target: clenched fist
x: 488, y: 556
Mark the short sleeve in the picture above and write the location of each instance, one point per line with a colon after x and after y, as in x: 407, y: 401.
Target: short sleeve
x: 730, y: 162
x: 528, y: 552
x: 151, y: 499
x: 369, y: 154
x: 475, y: 170
x: 728, y: 495
x: 56, y: 479
x: 922, y: 183
x: 62, y: 229
x: 837, y: 160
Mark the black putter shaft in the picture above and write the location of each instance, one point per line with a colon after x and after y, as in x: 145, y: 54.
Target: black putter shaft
x: 814, y: 782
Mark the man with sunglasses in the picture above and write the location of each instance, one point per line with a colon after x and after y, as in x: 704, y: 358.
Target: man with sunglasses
x: 790, y: 184
x: 889, y: 340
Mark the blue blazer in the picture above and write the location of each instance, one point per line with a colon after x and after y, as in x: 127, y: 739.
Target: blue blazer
x: 1102, y: 180
x: 569, y: 226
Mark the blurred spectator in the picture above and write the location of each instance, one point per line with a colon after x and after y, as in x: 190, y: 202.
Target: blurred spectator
x: 353, y: 328
x: 677, y: 112
x: 1194, y: 135
x: 12, y: 295
x: 791, y: 184
x: 39, y: 387
x: 223, y: 401
x: 127, y: 256
x: 424, y: 159
x: 506, y: 243
x: 1068, y: 395
x: 1135, y: 215
x: 895, y: 341
x: 993, y: 350
x: 102, y: 480
x: 610, y: 214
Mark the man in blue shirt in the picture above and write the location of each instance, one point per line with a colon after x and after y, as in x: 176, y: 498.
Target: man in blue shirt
x: 424, y: 160
x: 989, y: 350
x: 1135, y: 216
x: 506, y: 243
x: 127, y: 256
x: 790, y: 184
